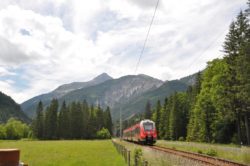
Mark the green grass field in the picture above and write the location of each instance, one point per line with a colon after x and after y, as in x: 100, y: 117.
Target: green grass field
x: 67, y: 153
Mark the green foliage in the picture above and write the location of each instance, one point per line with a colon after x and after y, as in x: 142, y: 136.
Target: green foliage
x: 181, y: 139
x: 14, y: 129
x: 221, y: 105
x: 148, y: 112
x: 236, y: 47
x: 200, y: 151
x: 2, y: 132
x: 212, y: 152
x: 38, y: 124
x: 158, y: 115
x: 103, y: 134
x: 171, y: 118
x: 137, y: 157
x: 216, y: 107
x: 50, y: 122
x: 64, y: 122
x: 108, y: 120
x: 75, y: 121
x: 163, y: 120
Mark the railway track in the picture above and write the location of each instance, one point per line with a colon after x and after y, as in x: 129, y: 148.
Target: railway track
x: 208, y: 160
x: 201, y: 158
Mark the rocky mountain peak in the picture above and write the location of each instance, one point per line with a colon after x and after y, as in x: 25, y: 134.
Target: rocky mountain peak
x: 102, y: 77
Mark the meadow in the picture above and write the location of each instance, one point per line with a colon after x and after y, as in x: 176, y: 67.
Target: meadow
x: 66, y: 153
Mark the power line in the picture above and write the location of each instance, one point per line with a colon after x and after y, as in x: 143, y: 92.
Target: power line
x: 142, y: 51
x: 211, y: 44
x: 145, y: 41
x: 205, y: 50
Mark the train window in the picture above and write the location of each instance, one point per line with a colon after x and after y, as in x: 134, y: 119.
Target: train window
x: 148, y: 126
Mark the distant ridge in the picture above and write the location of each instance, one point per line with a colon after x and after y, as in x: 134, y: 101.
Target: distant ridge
x: 29, y: 105
x: 63, y: 89
x: 130, y: 93
x: 10, y: 109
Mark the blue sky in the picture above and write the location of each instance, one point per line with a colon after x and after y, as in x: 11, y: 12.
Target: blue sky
x: 47, y: 43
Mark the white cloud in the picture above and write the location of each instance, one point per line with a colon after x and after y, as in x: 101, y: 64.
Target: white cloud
x: 5, y: 72
x: 47, y: 43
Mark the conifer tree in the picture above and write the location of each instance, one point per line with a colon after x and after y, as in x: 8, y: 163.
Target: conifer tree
x: 99, y: 118
x: 236, y: 42
x: 46, y: 124
x: 158, y: 115
x: 85, y: 114
x: 164, y: 119
x: 63, y: 122
x: 148, y: 112
x: 52, y: 119
x: 39, y: 121
x: 243, y: 71
x: 76, y: 123
x: 92, y: 123
x: 108, y: 120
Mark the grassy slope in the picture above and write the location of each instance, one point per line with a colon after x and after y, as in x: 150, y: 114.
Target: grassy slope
x: 230, y: 152
x: 66, y: 153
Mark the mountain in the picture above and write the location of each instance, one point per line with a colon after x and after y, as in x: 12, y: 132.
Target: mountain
x: 137, y: 105
x: 189, y: 80
x: 102, y: 90
x: 114, y: 92
x: 66, y: 88
x: 30, y: 105
x: 9, y: 108
x: 128, y: 93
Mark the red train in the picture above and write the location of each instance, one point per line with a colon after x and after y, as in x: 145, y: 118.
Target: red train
x: 142, y: 132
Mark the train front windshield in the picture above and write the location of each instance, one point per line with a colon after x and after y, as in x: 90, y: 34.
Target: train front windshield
x: 148, y: 126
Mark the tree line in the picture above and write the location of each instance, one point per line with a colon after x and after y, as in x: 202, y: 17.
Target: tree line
x: 77, y: 120
x: 217, y: 107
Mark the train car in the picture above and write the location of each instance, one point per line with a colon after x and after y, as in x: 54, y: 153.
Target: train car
x: 142, y: 132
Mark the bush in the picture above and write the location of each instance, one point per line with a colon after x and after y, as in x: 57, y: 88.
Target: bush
x: 103, y: 134
x: 211, y: 152
x: 138, y: 156
x: 234, y: 139
x: 14, y: 129
x: 2, y: 132
x: 200, y: 151
x: 181, y: 139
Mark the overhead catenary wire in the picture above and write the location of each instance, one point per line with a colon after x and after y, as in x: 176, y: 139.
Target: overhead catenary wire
x: 145, y: 41
x: 141, y: 53
x: 209, y: 46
